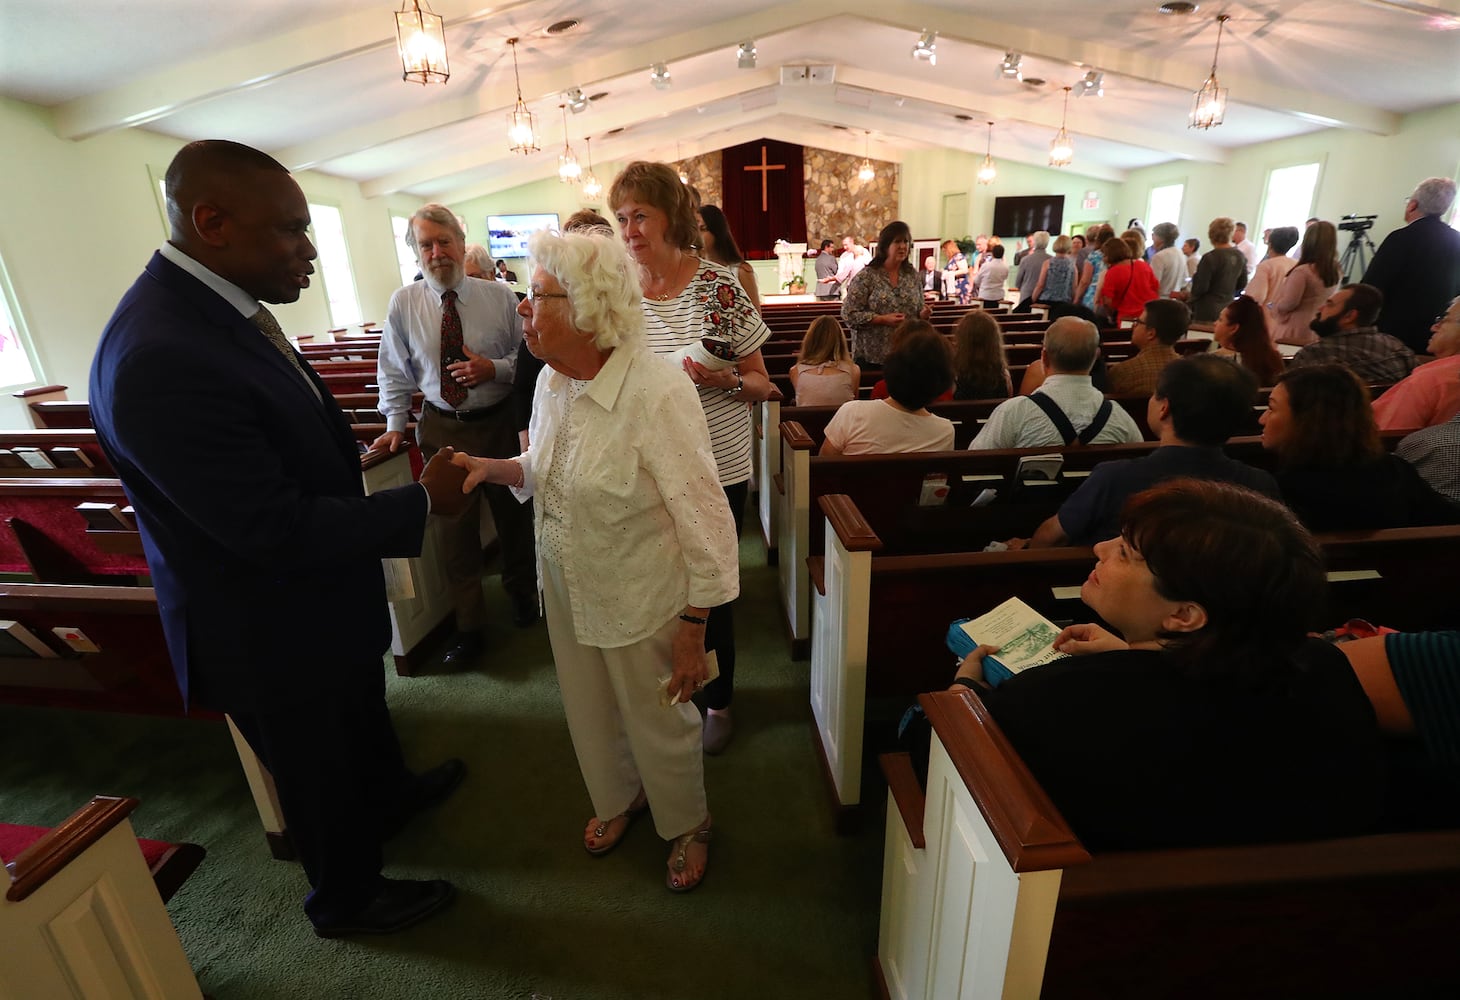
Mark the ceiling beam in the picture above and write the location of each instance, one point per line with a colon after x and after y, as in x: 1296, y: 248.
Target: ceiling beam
x: 600, y: 120
x: 244, y: 67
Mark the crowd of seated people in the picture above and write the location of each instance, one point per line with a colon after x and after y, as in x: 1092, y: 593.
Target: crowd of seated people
x: 918, y: 371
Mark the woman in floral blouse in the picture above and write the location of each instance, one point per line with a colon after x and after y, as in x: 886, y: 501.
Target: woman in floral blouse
x: 883, y: 295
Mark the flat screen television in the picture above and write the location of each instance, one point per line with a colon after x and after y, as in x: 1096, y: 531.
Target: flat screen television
x: 507, y: 234
x: 1029, y: 214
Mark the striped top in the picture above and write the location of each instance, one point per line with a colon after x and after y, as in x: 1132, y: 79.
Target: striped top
x: 713, y: 304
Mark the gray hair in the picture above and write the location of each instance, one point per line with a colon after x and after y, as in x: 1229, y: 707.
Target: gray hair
x: 1072, y: 344
x: 1166, y: 232
x: 601, y: 280
x: 1041, y: 240
x: 478, y: 255
x: 1434, y: 195
x: 439, y: 214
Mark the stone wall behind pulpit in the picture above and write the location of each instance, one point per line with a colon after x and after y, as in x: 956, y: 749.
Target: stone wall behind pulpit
x: 838, y: 203
x: 704, y: 173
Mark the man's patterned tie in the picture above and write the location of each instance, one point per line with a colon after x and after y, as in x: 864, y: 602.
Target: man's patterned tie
x: 269, y: 326
x: 453, y: 393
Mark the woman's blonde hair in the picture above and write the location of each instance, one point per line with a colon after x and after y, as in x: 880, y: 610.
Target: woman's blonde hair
x: 825, y: 341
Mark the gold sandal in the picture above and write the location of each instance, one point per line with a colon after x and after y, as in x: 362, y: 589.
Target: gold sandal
x: 633, y: 812
x: 677, y: 866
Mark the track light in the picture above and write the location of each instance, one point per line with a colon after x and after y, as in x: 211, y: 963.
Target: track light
x: 1093, y: 84
x: 745, y: 55
x: 1009, y: 69
x: 926, y: 48
x: 575, y: 99
x: 659, y: 76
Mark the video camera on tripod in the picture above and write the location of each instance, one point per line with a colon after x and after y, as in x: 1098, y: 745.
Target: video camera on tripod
x: 1357, y: 223
x: 1360, y: 248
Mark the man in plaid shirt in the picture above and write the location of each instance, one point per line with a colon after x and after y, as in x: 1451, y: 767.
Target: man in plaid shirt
x: 1347, y: 336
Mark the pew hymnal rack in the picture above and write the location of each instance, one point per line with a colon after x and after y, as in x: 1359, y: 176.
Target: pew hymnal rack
x: 1025, y: 639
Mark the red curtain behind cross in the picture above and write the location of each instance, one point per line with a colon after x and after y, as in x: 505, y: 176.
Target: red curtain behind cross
x: 756, y: 231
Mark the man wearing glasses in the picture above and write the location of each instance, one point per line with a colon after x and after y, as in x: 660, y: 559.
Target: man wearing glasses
x: 1160, y: 325
x: 454, y: 339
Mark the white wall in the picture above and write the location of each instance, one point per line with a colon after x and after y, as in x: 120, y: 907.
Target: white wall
x: 81, y: 219
x: 1361, y: 174
x: 929, y: 175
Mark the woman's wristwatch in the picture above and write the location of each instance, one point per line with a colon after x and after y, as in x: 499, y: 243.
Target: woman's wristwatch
x: 739, y: 384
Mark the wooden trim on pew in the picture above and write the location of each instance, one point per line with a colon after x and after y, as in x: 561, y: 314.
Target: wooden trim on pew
x: 902, y: 782
x: 856, y: 534
x: 64, y: 844
x: 1031, y: 831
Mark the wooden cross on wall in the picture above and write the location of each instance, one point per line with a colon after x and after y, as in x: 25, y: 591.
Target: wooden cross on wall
x: 765, y: 169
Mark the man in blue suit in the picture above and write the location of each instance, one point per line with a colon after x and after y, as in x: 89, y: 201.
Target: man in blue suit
x: 264, y: 549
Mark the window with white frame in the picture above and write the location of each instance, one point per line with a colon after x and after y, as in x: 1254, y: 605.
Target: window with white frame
x: 1165, y: 205
x: 334, y: 264
x: 409, y: 268
x: 15, y: 362
x: 1289, y: 198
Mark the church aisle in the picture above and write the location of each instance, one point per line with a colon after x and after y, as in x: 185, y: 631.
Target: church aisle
x: 788, y: 908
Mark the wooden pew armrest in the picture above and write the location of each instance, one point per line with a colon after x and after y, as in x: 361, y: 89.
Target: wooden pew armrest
x: 816, y: 569
x: 853, y: 531
x: 902, y: 782
x: 42, y: 860
x: 1026, y: 824
x: 794, y: 436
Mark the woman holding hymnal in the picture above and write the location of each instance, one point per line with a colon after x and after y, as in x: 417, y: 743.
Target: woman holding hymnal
x: 1204, y: 714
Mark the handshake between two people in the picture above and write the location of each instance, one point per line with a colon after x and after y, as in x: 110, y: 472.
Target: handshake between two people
x: 451, y: 476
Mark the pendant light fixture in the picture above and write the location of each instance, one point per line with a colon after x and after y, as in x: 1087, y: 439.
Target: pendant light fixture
x: 591, y: 187
x: 1209, y: 104
x: 987, y: 173
x: 521, y: 132
x: 420, y: 41
x: 865, y: 173
x: 568, y: 169
x: 1061, y: 149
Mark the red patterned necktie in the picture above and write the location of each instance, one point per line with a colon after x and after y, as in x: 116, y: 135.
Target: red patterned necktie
x: 453, y: 393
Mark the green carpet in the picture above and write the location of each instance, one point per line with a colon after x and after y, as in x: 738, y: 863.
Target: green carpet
x: 788, y: 908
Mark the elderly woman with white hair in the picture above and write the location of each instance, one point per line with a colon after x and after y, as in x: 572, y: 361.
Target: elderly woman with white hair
x: 635, y: 542
x: 477, y: 262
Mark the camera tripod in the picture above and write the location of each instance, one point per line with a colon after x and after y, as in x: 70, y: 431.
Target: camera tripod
x: 1356, y: 256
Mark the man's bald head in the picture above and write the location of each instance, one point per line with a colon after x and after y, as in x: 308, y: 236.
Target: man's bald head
x: 1071, y: 345
x: 207, y: 170
x: 236, y: 211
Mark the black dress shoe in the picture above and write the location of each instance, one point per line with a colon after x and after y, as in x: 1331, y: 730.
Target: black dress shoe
x: 525, y: 613
x: 399, y: 904
x: 431, y: 788
x: 465, y: 648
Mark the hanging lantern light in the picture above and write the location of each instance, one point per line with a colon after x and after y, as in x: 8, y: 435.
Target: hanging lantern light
x: 1209, y: 103
x: 987, y: 173
x: 521, y: 132
x: 420, y: 39
x: 1061, y: 149
x: 568, y: 169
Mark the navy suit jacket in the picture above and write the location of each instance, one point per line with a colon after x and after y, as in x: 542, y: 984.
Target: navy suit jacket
x: 1418, y: 270
x: 264, y: 549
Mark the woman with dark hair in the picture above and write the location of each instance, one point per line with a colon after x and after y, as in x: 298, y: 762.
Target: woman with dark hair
x: 1128, y: 283
x: 718, y: 244
x: 1208, y: 716
x: 1220, y: 275
x: 824, y: 374
x: 1332, y: 467
x: 884, y: 294
x: 980, y: 370
x: 1273, y: 268
x: 1306, y: 287
x: 1241, y: 333
x: 697, y: 313
x: 918, y: 372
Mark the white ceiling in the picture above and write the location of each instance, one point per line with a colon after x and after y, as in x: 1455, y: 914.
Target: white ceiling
x: 317, y: 82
